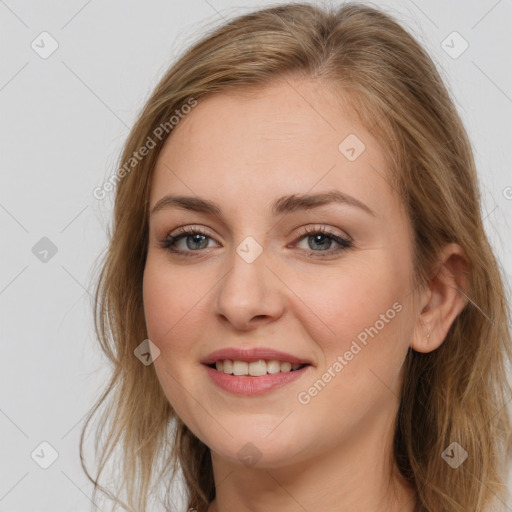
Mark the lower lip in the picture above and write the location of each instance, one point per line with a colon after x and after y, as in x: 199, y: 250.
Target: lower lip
x: 250, y: 386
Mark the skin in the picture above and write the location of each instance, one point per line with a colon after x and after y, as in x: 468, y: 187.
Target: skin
x: 243, y: 150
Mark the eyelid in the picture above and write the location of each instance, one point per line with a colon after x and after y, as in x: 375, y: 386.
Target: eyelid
x: 188, y: 229
x: 344, y: 242
x: 336, y: 232
x: 305, y: 230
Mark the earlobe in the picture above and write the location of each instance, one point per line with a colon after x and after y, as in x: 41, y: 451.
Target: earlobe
x: 446, y: 298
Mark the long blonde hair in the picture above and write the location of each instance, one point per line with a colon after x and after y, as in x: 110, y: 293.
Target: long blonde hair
x: 455, y: 393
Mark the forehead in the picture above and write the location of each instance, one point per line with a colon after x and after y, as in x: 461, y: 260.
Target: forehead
x: 292, y: 136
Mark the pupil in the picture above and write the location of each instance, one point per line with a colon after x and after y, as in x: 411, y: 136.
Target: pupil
x: 319, y: 238
x: 196, y: 239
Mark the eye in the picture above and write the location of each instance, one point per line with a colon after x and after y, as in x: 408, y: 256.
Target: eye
x: 322, y: 239
x: 195, y: 239
x: 319, y: 240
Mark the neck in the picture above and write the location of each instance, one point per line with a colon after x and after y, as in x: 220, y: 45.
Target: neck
x: 358, y: 475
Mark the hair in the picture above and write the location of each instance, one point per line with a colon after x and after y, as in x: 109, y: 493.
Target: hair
x: 457, y: 392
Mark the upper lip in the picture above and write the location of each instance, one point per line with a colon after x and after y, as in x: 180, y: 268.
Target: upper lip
x: 252, y: 354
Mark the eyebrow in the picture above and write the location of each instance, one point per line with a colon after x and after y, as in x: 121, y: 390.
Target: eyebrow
x: 285, y: 204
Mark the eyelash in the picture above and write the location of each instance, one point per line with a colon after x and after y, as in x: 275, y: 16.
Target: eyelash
x: 168, y: 242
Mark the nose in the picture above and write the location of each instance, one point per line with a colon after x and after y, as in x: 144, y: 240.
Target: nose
x: 249, y: 294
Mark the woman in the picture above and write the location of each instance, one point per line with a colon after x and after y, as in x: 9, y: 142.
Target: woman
x: 299, y: 299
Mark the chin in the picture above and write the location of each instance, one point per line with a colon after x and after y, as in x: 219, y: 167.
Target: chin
x: 253, y: 444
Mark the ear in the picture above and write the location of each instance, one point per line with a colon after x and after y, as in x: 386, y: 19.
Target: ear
x: 442, y: 299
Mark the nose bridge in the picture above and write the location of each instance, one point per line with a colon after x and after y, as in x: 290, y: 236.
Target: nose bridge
x: 249, y: 289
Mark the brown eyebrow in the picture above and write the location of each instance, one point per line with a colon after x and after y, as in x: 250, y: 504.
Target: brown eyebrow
x: 285, y: 204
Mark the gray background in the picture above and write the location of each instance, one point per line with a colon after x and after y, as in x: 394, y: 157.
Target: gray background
x: 62, y: 124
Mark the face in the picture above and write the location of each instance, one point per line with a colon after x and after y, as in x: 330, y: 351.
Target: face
x: 325, y: 284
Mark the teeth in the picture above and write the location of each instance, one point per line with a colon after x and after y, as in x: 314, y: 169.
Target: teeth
x: 286, y: 367
x: 240, y: 368
x: 273, y: 366
x: 255, y: 368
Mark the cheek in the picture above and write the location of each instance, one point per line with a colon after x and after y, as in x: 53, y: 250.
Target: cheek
x: 170, y: 302
x: 363, y: 344
x: 170, y: 305
x: 362, y: 302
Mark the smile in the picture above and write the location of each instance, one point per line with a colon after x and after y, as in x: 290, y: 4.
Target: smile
x: 246, y: 384
x: 255, y: 368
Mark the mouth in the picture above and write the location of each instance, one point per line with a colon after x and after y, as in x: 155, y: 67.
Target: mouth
x: 257, y: 368
x: 254, y: 378
x: 251, y: 371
